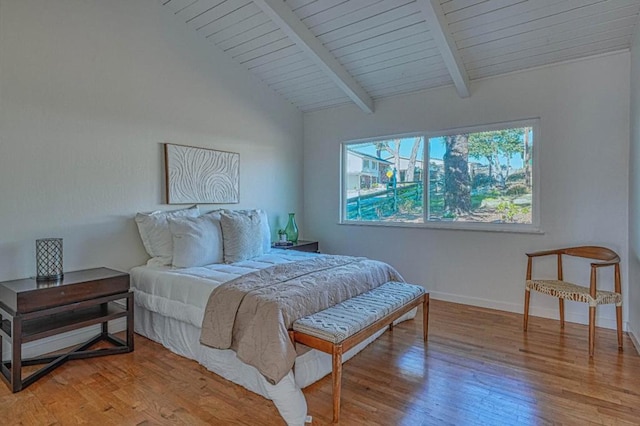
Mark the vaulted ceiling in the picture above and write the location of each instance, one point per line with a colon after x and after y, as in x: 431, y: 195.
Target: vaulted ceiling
x: 323, y: 53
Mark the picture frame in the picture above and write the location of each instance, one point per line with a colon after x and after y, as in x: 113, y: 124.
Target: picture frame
x: 201, y: 175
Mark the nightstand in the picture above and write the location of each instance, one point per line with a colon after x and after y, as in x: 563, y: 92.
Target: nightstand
x: 301, y: 245
x: 32, y: 310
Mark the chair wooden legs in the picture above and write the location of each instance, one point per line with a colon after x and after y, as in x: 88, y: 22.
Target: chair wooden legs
x: 425, y: 317
x: 565, y: 290
x: 592, y: 329
x: 336, y: 376
x: 527, y: 296
x: 619, y: 326
x: 592, y: 321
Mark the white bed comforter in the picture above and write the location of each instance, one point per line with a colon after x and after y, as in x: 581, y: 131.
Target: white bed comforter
x: 182, y: 293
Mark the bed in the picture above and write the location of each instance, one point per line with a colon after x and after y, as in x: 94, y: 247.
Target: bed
x: 171, y: 302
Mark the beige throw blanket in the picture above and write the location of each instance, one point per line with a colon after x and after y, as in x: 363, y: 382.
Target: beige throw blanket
x: 253, y: 313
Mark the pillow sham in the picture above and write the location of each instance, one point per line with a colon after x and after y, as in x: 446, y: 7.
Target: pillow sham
x: 265, y: 230
x: 239, y: 235
x: 155, y: 234
x: 197, y: 241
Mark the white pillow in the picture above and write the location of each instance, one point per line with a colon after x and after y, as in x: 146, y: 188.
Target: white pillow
x: 265, y: 230
x: 239, y: 236
x: 197, y: 241
x: 155, y: 234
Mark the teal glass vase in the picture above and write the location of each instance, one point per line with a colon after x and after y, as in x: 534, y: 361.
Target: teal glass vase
x: 292, y: 229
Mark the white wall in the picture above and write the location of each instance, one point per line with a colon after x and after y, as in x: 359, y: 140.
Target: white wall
x: 89, y: 90
x: 584, y: 144
x: 634, y: 195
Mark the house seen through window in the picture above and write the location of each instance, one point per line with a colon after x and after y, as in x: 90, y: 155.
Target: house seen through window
x: 460, y: 178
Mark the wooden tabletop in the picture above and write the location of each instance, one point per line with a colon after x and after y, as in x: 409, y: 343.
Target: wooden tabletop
x: 20, y: 295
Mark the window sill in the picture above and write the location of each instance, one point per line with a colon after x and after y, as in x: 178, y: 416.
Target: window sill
x: 455, y: 226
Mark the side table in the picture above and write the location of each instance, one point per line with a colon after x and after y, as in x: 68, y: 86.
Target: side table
x: 31, y: 310
x: 301, y: 245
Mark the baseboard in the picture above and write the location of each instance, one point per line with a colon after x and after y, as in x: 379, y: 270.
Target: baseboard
x: 64, y: 340
x: 634, y: 339
x: 533, y: 310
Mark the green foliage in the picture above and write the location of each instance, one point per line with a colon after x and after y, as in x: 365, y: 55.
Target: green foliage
x: 517, y: 189
x: 516, y: 177
x: 508, y: 211
x: 490, y: 144
x: 496, y: 145
x: 481, y: 180
x: 410, y: 205
x: 477, y: 199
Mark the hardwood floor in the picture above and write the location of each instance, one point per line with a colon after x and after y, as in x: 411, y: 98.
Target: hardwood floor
x: 477, y: 368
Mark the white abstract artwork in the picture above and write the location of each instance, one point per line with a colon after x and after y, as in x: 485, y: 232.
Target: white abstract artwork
x: 199, y: 175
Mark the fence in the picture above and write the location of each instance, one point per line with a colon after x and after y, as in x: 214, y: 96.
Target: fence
x: 384, y: 203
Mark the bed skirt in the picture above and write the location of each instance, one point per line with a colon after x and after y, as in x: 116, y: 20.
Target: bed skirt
x: 184, y: 339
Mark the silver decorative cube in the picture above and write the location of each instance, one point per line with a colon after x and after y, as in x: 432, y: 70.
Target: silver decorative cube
x: 49, y: 259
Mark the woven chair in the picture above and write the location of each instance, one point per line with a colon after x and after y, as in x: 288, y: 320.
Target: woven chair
x: 566, y: 290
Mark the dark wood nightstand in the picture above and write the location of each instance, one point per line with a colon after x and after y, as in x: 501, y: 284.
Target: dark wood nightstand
x: 31, y: 310
x: 301, y: 245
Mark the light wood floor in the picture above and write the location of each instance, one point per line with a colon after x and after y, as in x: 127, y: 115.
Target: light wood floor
x: 477, y: 368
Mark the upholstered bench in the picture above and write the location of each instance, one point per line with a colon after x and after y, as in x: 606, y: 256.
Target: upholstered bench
x: 341, y: 327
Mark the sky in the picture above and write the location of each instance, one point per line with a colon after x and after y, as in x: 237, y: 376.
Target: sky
x: 437, y: 150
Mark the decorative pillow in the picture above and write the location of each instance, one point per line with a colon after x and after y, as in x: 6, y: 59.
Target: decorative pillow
x: 197, y: 241
x: 265, y: 230
x: 155, y: 234
x: 239, y: 236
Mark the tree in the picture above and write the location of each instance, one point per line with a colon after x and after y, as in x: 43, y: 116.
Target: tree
x: 509, y: 143
x: 393, y: 148
x: 411, y: 166
x: 494, y: 146
x: 457, y: 184
x: 526, y: 157
x: 481, y: 145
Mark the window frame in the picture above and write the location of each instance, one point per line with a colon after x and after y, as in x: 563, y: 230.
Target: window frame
x: 533, y: 227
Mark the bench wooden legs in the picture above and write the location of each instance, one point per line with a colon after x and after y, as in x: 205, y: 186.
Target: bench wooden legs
x: 337, y: 349
x: 336, y: 355
x: 336, y: 376
x: 425, y: 318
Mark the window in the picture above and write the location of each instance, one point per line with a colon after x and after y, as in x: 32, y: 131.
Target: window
x: 480, y: 178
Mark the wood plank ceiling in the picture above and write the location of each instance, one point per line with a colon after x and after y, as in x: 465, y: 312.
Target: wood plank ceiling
x: 324, y: 53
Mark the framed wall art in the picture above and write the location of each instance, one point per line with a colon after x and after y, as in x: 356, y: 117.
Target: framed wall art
x: 201, y: 175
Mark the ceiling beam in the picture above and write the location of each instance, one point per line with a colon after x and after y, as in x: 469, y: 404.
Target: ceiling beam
x: 439, y: 30
x: 297, y: 31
